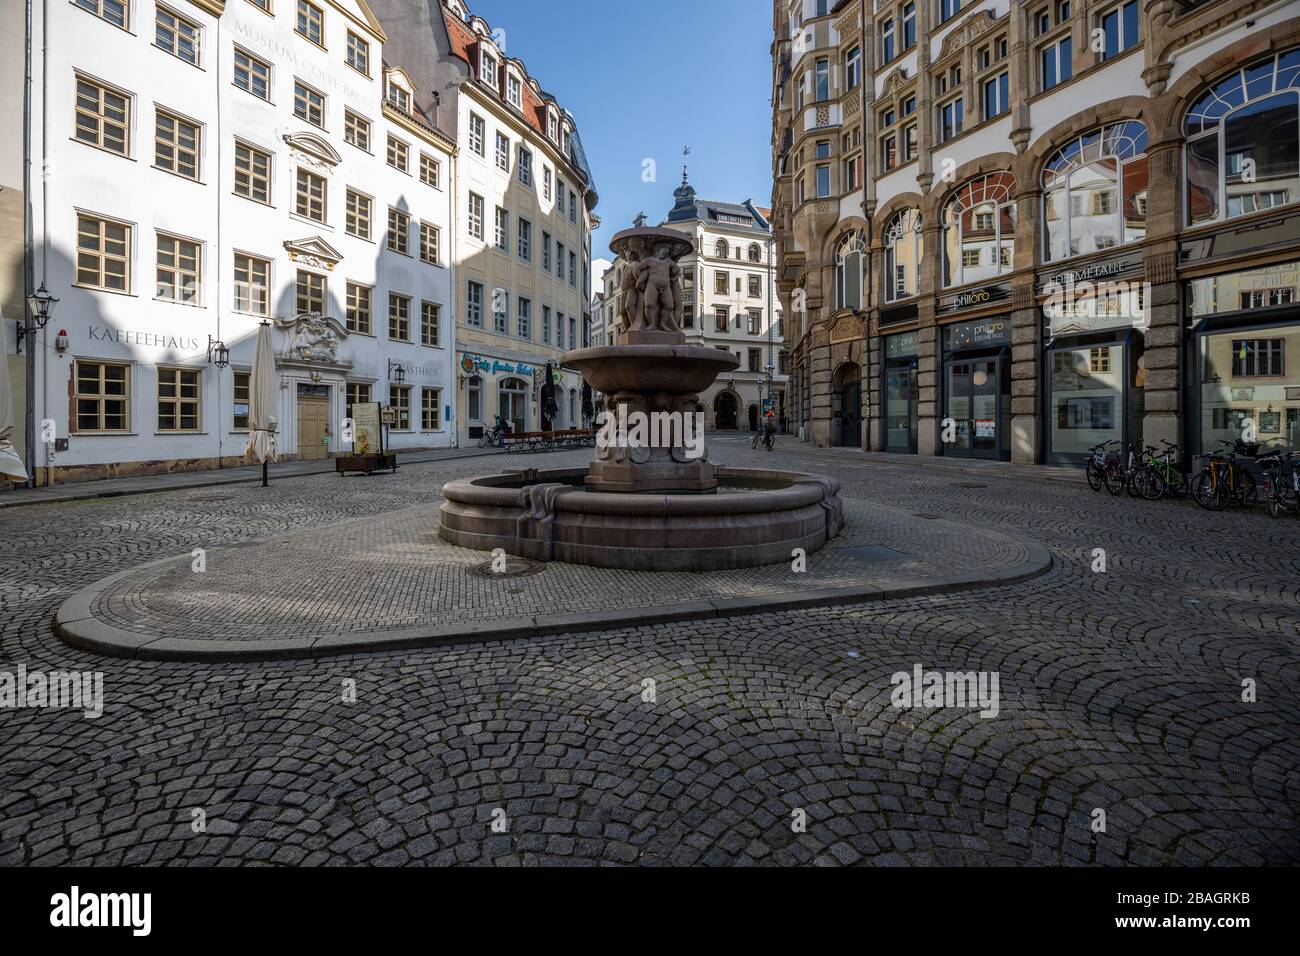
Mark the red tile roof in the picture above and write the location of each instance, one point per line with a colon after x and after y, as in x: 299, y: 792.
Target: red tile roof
x: 464, y: 43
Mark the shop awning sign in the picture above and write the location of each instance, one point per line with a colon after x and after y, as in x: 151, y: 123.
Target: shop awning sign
x: 471, y: 364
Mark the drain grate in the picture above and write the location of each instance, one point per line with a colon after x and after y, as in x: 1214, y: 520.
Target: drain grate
x: 926, y: 515
x: 874, y: 554
x: 515, y: 568
x: 209, y: 498
x: 968, y: 484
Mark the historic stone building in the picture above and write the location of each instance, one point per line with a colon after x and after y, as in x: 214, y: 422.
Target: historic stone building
x: 728, y: 283
x: 1013, y: 230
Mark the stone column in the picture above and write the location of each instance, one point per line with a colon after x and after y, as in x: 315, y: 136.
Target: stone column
x: 929, y: 352
x: 1025, y: 352
x: 1164, y: 338
x: 819, y: 370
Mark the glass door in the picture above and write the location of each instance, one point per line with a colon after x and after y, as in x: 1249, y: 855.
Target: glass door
x: 900, y: 408
x: 956, y: 433
x: 985, y: 385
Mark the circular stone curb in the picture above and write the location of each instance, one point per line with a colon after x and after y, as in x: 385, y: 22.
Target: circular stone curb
x: 76, y: 626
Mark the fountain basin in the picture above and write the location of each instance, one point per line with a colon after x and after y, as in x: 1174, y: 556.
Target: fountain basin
x: 675, y: 369
x: 755, y: 517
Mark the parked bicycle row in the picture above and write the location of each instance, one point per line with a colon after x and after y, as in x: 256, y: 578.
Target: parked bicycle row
x: 1241, y: 474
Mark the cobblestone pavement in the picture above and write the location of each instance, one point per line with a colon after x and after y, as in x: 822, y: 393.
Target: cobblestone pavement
x: 1120, y: 691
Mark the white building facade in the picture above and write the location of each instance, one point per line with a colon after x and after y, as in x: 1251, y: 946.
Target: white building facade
x: 211, y: 166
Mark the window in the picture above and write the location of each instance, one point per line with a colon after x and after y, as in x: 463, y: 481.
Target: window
x: 357, y: 217
x: 524, y: 318
x: 358, y: 393
x: 475, y: 216
x: 176, y: 145
x: 178, y: 270
x: 948, y: 9
x: 754, y: 326
x: 241, y: 399
x: 902, y: 241
x: 310, y: 196
x: 525, y: 165
x: 487, y: 68
x: 252, y: 284
x: 309, y: 292
x: 1099, y: 360
x: 823, y: 181
x: 308, y: 104
x: 399, y: 231
x: 950, y: 120
x: 573, y: 206
x: 525, y: 240
x: 1119, y: 27
x: 1257, y: 358
x: 103, y: 254
x: 398, y: 153
x: 356, y: 130
x: 755, y: 286
x: 103, y: 397
x: 559, y: 193
x: 1055, y: 66
x: 721, y: 318
x: 546, y: 325
x: 503, y: 152
x: 252, y: 173
x: 502, y: 234
x: 887, y: 40
x: 546, y: 252
x: 358, y: 55
x: 399, y: 317
x: 909, y: 25
x: 721, y: 283
x: 573, y: 269
x: 853, y: 68
x: 514, y: 91
x: 755, y: 255
x: 970, y: 257
x: 430, y: 324
x: 755, y: 359
x: 573, y: 332
x: 822, y: 79
x: 399, y: 98
x: 357, y: 308
x: 1108, y: 168
x: 559, y: 259
x: 995, y: 96
x: 477, y: 134
x: 474, y: 399
x: 252, y: 75
x: 909, y: 143
x: 399, y: 398
x: 500, y: 311
x: 981, y: 214
x: 177, y: 35
x: 546, y: 182
x: 1243, y: 141
x: 474, y: 304
x: 430, y: 243
x: 430, y: 171
x: 311, y: 23
x: 103, y: 116
x: 850, y: 258
x: 721, y: 250
x: 112, y: 11
x: 178, y: 399
x: 888, y: 153
x: 552, y: 127
x: 431, y: 409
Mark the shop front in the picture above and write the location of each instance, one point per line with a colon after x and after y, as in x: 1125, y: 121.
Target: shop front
x: 493, y: 386
x: 1094, y: 324
x: 898, y: 361
x: 976, y: 380
x: 1244, y: 344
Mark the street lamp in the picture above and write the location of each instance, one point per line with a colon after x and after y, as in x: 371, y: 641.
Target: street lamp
x: 40, y: 305
x: 218, y: 354
x: 396, y: 373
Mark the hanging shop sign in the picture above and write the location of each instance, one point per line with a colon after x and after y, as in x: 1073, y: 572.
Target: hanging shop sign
x: 977, y: 334
x: 903, y: 345
x: 470, y: 364
x: 973, y: 298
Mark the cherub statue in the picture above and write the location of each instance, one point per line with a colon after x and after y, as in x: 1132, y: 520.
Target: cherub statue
x: 630, y: 304
x: 659, y: 278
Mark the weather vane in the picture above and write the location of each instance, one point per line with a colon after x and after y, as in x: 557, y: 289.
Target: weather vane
x: 686, y: 151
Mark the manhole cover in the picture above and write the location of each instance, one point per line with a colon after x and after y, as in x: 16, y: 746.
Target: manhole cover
x: 927, y: 516
x: 968, y: 484
x: 514, y: 568
x: 872, y: 554
x: 206, y: 498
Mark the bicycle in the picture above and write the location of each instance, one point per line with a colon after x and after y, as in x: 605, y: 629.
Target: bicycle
x: 491, y: 436
x: 1158, y: 474
x: 1281, y: 482
x: 1094, y: 464
x: 766, y: 438
x: 1224, y: 480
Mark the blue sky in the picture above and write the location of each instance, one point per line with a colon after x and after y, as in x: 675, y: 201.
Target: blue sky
x: 645, y: 79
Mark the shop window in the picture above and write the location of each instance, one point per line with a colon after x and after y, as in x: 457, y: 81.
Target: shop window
x: 474, y: 399
x: 1094, y: 191
x: 1243, y: 141
x: 241, y: 400
x: 1257, y: 358
x: 399, y: 397
x: 980, y: 215
x: 902, y: 241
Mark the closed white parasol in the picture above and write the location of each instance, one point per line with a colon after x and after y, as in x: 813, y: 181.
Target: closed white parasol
x: 11, y: 466
x: 262, y: 423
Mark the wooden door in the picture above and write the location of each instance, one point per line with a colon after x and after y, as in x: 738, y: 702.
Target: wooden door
x: 313, y: 426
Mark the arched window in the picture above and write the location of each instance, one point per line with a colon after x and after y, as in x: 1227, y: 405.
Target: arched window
x: 754, y: 254
x: 850, y: 256
x: 979, y: 230
x: 1243, y: 141
x: 720, y: 249
x: 1095, y: 192
x: 902, y: 254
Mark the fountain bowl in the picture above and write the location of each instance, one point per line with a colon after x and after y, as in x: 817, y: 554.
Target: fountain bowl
x: 650, y: 368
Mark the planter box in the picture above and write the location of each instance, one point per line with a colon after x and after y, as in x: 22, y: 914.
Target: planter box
x: 367, y: 463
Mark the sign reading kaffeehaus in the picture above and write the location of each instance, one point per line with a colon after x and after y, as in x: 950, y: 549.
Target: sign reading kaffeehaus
x: 150, y: 340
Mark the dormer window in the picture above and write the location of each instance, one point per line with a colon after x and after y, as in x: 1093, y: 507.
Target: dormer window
x: 399, y: 98
x: 514, y: 91
x: 552, y: 127
x: 487, y: 68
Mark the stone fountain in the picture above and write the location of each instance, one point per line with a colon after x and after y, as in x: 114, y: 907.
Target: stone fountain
x: 647, y: 505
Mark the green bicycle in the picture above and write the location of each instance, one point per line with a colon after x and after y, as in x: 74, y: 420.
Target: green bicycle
x: 1159, y: 474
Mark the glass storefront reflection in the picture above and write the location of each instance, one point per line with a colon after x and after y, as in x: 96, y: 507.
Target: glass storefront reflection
x: 1250, y: 384
x: 1087, y: 397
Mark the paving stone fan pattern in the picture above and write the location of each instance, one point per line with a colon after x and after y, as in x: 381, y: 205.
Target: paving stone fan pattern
x: 393, y: 571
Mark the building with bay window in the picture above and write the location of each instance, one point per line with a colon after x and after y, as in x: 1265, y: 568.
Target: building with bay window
x: 219, y: 165
x: 1048, y: 224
